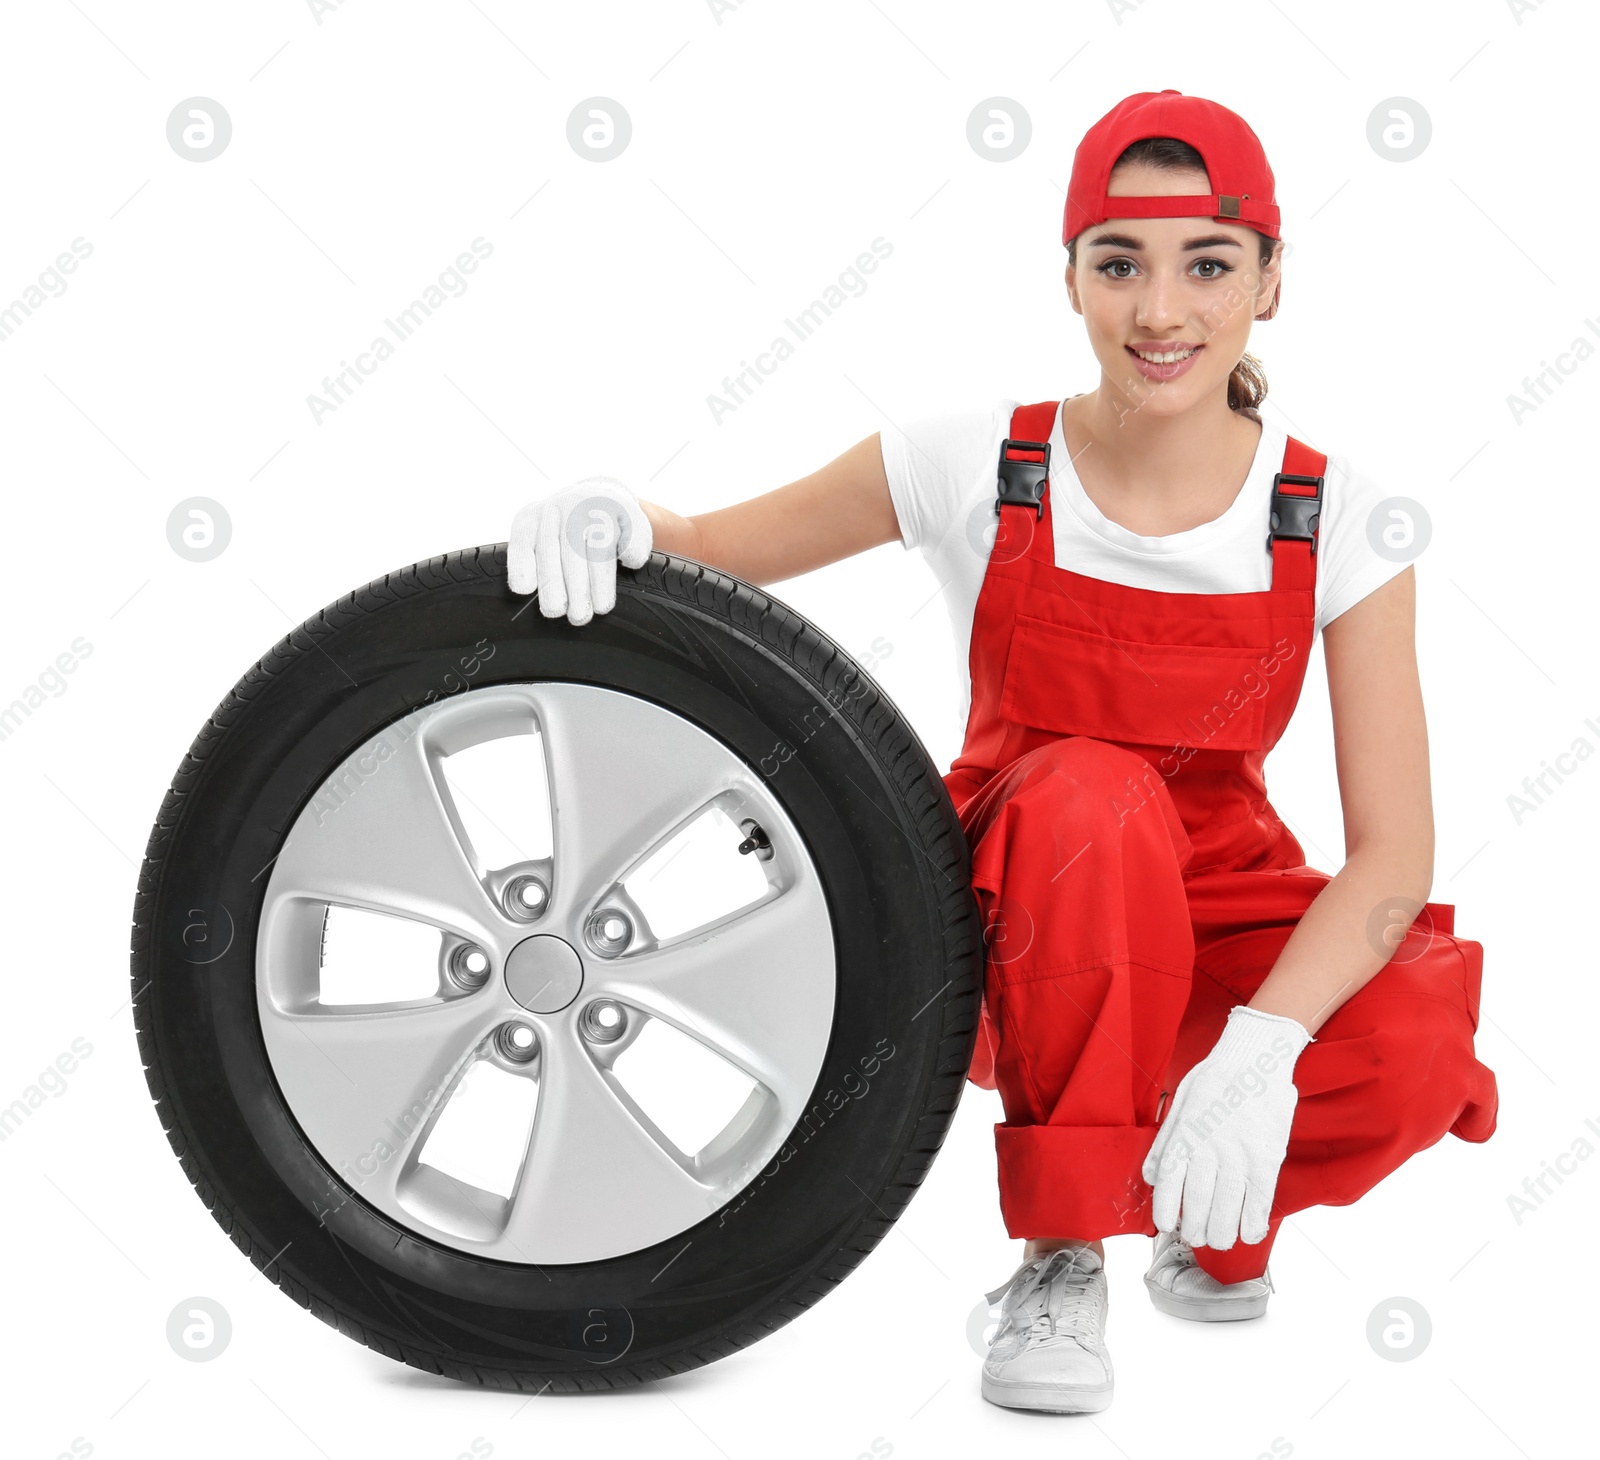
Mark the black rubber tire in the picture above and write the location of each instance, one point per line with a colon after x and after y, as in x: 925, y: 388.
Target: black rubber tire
x: 882, y: 833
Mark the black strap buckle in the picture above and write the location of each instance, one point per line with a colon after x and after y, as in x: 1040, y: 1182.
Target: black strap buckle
x: 1022, y: 483
x: 1295, y: 516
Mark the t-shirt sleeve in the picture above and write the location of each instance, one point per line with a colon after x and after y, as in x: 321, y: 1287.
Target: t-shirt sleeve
x: 1359, y: 508
x: 936, y: 464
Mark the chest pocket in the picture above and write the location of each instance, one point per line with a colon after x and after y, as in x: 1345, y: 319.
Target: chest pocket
x: 1073, y: 682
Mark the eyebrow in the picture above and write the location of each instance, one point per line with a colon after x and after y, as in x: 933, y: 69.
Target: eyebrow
x: 1127, y: 240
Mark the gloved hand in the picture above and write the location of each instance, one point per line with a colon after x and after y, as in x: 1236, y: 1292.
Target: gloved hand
x: 566, y: 547
x: 1218, y: 1152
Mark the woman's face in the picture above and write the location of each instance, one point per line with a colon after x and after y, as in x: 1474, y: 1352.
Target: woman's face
x: 1183, y: 288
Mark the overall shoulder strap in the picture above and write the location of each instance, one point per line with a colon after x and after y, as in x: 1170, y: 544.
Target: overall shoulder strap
x: 1025, y: 457
x: 1296, y: 506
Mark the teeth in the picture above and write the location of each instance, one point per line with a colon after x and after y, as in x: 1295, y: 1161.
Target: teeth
x: 1169, y: 358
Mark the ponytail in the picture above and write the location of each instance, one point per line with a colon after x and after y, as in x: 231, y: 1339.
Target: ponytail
x: 1247, y: 386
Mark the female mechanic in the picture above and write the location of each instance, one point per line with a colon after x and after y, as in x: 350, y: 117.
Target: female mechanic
x: 1192, y: 1032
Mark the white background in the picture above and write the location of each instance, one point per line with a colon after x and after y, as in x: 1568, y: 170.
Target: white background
x: 769, y: 148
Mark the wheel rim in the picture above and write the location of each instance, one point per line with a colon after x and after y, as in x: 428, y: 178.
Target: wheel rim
x: 549, y: 972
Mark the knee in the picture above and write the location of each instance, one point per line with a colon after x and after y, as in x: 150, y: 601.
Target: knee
x: 1418, y: 1043
x: 1091, y: 780
x: 1072, y: 793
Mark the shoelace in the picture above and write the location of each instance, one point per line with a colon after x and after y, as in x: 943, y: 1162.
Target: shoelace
x: 1058, y: 1294
x: 1180, y: 1251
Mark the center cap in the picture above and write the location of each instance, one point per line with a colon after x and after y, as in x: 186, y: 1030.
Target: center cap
x: 544, y: 973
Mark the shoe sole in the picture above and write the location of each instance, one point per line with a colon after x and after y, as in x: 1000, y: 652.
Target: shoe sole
x: 1201, y: 1310
x: 1049, y: 1398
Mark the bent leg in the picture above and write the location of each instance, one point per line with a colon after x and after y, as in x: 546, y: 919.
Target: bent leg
x: 1388, y: 1074
x: 1086, y: 979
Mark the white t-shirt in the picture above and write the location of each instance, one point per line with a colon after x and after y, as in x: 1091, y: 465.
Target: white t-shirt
x: 942, y: 472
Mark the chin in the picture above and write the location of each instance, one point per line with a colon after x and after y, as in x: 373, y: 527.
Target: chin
x: 1164, y: 398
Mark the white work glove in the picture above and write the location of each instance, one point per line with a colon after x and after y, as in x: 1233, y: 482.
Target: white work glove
x: 1218, y: 1152
x: 566, y: 547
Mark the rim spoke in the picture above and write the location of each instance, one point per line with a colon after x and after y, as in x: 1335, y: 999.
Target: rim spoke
x: 621, y: 777
x: 369, y: 1084
x: 382, y: 836
x: 747, y: 988
x: 591, y: 1166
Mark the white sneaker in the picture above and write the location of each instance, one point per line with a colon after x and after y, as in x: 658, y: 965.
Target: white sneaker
x: 1180, y: 1286
x: 1049, y: 1351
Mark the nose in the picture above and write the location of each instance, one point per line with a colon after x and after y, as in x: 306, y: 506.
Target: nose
x: 1159, y: 307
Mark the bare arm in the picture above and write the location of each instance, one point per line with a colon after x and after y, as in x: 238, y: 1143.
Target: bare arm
x: 1381, y: 749
x: 841, y: 509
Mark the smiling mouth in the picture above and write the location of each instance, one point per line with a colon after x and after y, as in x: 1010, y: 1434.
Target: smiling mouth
x: 1166, y: 357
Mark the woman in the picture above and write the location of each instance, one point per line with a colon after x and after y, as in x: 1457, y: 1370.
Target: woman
x: 1136, y: 633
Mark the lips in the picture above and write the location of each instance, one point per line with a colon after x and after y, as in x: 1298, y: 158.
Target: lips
x: 1171, y: 359
x: 1165, y: 353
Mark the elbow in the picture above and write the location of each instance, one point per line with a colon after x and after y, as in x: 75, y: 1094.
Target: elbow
x: 1406, y: 868
x: 1424, y: 883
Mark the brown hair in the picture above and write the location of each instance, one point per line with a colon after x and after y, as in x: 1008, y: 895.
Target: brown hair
x: 1247, y: 385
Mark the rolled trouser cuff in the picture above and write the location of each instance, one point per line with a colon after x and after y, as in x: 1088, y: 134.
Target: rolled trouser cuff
x: 1074, y: 1180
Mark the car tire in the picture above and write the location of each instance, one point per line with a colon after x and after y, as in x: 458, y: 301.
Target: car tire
x: 879, y: 828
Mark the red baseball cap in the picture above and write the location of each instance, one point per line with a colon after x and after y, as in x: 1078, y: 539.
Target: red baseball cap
x: 1243, y: 188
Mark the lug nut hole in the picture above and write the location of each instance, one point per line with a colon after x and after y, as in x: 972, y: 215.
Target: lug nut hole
x: 610, y: 931
x: 603, y: 1021
x: 516, y: 1042
x: 525, y: 897
x: 469, y: 966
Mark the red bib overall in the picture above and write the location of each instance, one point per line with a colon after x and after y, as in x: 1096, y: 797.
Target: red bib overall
x: 1135, y: 882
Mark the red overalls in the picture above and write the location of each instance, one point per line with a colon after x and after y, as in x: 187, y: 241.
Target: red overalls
x: 1135, y: 883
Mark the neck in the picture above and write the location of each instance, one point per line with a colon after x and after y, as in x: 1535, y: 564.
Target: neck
x: 1157, y: 456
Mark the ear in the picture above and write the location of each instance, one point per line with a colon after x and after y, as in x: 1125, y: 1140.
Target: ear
x: 1271, y: 284
x: 1072, y: 288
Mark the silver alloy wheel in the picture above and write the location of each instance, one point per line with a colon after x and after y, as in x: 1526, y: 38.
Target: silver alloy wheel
x: 598, y: 1178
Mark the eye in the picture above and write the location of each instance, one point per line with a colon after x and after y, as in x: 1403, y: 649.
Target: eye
x: 1217, y: 264
x: 1111, y: 264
